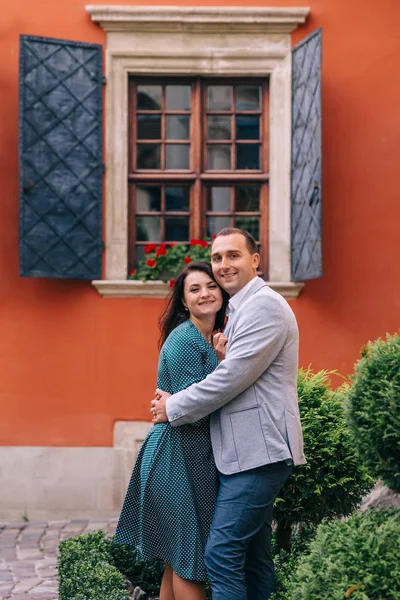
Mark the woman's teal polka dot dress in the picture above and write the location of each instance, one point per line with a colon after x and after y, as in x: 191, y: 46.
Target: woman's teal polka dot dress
x: 170, y: 500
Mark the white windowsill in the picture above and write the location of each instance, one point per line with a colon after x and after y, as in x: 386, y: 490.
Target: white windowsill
x: 157, y: 289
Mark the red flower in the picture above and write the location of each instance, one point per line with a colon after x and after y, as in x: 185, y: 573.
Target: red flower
x: 150, y: 248
x: 150, y: 262
x: 163, y: 245
x: 161, y: 251
x: 171, y: 283
x: 172, y: 245
x: 203, y: 243
x: 213, y: 236
x: 187, y: 260
x: 132, y: 272
x: 195, y: 242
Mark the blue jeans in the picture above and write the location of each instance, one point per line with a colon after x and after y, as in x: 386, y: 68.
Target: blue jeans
x: 238, y: 554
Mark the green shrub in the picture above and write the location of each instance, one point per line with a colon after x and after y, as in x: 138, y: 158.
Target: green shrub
x: 374, y: 409
x: 146, y: 575
x: 334, y: 480
x: 86, y: 572
x: 359, y: 557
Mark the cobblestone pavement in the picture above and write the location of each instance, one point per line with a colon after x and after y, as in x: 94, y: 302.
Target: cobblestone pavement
x: 28, y: 556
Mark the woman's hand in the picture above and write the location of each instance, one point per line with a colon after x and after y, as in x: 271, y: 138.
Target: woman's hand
x: 219, y: 344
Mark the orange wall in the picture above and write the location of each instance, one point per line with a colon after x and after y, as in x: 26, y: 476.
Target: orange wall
x: 71, y: 362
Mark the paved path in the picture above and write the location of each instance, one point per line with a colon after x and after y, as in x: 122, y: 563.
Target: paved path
x: 28, y: 556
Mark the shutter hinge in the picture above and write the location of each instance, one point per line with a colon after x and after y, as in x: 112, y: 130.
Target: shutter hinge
x: 104, y: 80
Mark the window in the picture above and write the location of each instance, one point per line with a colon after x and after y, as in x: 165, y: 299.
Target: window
x: 198, y: 160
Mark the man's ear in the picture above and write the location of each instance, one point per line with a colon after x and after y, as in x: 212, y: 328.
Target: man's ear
x: 256, y: 260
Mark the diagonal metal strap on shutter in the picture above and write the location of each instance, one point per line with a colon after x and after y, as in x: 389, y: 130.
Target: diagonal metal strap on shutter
x: 60, y: 153
x: 306, y: 159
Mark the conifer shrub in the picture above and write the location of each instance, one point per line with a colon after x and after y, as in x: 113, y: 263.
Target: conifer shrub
x: 358, y: 558
x: 374, y: 409
x: 334, y: 480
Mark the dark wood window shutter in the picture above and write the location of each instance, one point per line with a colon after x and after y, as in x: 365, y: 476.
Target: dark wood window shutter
x: 306, y: 159
x: 60, y: 158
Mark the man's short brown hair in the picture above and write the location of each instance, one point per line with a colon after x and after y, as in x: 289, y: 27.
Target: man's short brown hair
x: 250, y: 241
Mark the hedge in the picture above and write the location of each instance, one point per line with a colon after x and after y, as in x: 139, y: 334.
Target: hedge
x: 357, y: 558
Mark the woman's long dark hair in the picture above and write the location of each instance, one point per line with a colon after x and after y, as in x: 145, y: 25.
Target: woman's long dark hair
x: 175, y: 312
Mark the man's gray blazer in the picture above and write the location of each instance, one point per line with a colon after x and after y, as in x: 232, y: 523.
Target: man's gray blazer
x: 252, y: 394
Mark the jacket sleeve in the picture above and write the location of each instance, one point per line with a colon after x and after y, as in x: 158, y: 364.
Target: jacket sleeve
x: 260, y: 332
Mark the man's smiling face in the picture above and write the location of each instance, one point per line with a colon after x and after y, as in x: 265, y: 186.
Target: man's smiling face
x: 232, y: 263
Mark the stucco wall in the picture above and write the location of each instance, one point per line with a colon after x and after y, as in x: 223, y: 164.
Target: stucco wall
x: 73, y: 363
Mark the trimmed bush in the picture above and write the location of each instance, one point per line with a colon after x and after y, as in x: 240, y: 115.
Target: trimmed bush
x: 334, y: 480
x: 86, y: 572
x: 358, y: 558
x: 92, y: 567
x: 374, y: 409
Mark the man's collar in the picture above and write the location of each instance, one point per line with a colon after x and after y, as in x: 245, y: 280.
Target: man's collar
x: 237, y: 298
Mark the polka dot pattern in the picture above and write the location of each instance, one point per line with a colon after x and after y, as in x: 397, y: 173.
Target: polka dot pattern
x: 170, y: 500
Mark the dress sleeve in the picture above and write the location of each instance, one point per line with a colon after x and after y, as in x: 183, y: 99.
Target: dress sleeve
x: 185, y: 361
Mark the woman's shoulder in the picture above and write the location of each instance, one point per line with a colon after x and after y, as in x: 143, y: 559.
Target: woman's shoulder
x: 184, y: 334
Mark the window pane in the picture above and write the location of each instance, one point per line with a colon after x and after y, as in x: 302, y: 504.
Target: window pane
x: 178, y: 127
x: 248, y: 97
x: 140, y: 254
x: 251, y: 224
x: 148, y: 156
x: 148, y: 228
x: 177, y: 156
x: 219, y: 157
x: 247, y: 128
x: 247, y: 198
x: 219, y: 97
x: 148, y: 198
x: 219, y: 127
x: 176, y: 198
x: 247, y: 156
x: 219, y: 199
x: 149, y: 97
x: 215, y: 224
x: 178, y: 97
x: 177, y: 229
x: 149, y: 127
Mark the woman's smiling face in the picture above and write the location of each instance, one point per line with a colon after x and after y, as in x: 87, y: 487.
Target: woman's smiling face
x: 202, y: 296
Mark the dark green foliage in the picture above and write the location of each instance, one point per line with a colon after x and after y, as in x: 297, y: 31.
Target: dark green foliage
x: 359, y: 557
x: 86, y: 572
x: 146, y: 575
x: 286, y: 563
x: 374, y: 409
x: 334, y: 481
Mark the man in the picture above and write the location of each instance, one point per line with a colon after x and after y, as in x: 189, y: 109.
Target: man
x: 255, y: 423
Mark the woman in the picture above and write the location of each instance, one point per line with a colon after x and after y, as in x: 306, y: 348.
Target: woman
x: 171, y: 496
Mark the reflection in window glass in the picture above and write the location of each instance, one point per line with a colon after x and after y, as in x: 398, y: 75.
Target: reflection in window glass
x: 148, y: 156
x: 149, y: 97
x: 149, y: 127
x: 219, y: 199
x: 247, y: 127
x: 178, y: 127
x: 176, y: 198
x: 219, y: 157
x: 248, y: 97
x: 247, y: 198
x: 177, y: 228
x: 148, y: 198
x: 148, y: 228
x: 177, y: 156
x: 219, y: 127
x: 251, y: 224
x: 215, y: 224
x: 177, y: 97
x: 219, y: 97
x: 247, y: 156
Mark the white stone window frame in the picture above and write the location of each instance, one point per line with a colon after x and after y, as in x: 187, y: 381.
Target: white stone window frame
x: 209, y: 42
